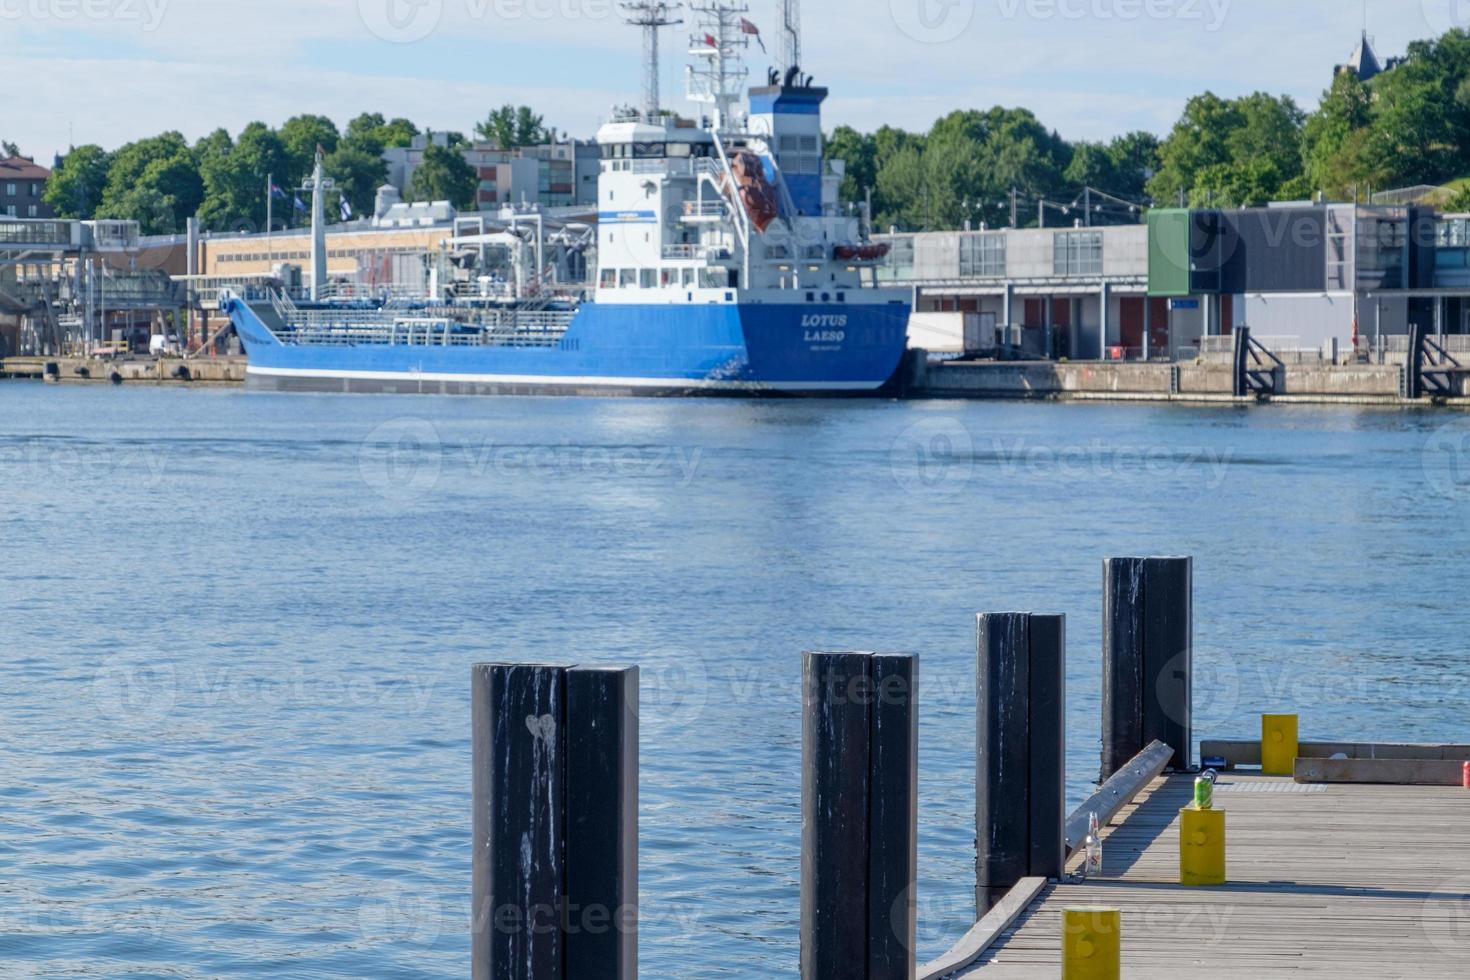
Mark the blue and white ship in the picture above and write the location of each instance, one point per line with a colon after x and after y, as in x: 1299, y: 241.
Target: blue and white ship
x: 725, y: 265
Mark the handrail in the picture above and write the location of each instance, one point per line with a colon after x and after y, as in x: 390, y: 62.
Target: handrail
x: 1111, y: 797
x: 742, y: 221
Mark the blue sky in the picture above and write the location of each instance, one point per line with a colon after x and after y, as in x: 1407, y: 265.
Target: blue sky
x: 107, y: 71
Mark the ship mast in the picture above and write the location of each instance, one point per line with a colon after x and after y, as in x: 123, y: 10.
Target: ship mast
x: 790, y: 35
x: 718, y: 75
x: 650, y: 15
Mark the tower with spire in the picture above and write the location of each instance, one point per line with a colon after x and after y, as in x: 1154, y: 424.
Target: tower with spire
x: 1365, y: 63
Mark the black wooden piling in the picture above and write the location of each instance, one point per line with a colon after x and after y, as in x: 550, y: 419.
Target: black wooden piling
x: 555, y: 822
x: 1148, y: 654
x: 1020, y: 752
x: 859, y: 856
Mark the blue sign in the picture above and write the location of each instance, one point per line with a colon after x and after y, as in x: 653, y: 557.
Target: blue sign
x: 1183, y: 304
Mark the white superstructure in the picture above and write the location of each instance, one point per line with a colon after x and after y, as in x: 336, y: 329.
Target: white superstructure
x: 741, y: 199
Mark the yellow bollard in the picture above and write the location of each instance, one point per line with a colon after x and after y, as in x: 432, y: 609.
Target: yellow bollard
x: 1201, y: 847
x: 1278, y: 745
x: 1092, y: 943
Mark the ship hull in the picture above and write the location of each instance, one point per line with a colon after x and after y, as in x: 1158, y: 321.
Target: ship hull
x: 729, y: 349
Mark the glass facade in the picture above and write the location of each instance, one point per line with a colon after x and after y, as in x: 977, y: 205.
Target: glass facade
x: 1078, y: 253
x: 983, y: 255
x: 899, y: 265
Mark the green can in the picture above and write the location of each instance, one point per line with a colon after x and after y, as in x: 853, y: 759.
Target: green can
x: 1204, y: 793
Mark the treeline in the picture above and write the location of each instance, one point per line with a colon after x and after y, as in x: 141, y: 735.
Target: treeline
x: 163, y: 180
x: 1408, y: 126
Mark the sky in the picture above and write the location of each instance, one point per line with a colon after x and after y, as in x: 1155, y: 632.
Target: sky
x: 110, y: 71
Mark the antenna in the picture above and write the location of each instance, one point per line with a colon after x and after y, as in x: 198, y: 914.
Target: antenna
x: 790, y: 35
x: 650, y: 15
x: 718, y: 74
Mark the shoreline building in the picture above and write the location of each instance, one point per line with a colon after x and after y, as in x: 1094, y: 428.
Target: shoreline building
x: 23, y: 189
x: 556, y: 174
x: 1301, y: 276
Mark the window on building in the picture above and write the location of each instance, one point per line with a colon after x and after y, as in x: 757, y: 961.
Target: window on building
x: 647, y: 278
x: 1338, y: 249
x: 31, y: 211
x: 608, y: 279
x: 10, y: 210
x: 899, y: 265
x: 1078, y: 253
x: 10, y: 190
x: 35, y: 189
x: 627, y: 278
x: 983, y: 255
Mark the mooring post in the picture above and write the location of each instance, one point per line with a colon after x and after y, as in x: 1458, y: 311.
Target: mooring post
x: 555, y: 864
x: 1020, y: 752
x: 1241, y: 339
x: 859, y: 848
x: 1148, y: 656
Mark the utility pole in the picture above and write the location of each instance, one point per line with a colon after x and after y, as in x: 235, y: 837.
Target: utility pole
x: 1087, y: 197
x: 1013, y: 207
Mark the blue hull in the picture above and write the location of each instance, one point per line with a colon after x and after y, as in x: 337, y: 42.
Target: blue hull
x: 715, y: 348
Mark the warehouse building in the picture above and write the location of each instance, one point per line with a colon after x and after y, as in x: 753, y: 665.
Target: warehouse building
x: 1307, y: 277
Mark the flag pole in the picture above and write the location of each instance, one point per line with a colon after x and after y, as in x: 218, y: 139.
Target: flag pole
x: 270, y: 183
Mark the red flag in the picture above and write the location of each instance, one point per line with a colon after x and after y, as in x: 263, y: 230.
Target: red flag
x: 747, y: 27
x: 710, y: 42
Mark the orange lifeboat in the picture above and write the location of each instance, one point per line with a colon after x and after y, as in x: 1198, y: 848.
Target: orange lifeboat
x: 756, y: 193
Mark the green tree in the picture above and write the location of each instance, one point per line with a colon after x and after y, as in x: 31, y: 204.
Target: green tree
x: 444, y: 175
x: 511, y: 127
x: 372, y: 133
x: 1248, y: 147
x: 1331, y: 136
x: 154, y: 181
x: 358, y: 173
x: 859, y: 155
x: 1092, y: 166
x: 9, y: 149
x: 301, y: 135
x: 1135, y: 158
x: 235, y: 183
x: 75, y: 188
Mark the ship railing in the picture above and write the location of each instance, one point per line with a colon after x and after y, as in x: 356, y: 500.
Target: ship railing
x: 687, y: 251
x: 498, y: 328
x: 704, y: 209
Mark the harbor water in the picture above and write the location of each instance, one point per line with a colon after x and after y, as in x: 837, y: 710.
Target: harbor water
x: 236, y: 631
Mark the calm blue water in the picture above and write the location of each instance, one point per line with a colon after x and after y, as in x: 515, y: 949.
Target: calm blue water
x: 236, y: 631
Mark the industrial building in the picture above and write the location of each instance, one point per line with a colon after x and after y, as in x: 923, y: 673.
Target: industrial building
x: 1304, y: 277
x: 557, y: 174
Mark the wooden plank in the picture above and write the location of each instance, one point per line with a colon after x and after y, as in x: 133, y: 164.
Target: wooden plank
x: 1325, y: 879
x: 986, y: 931
x: 1396, y: 772
x: 1118, y: 792
x: 1247, y: 752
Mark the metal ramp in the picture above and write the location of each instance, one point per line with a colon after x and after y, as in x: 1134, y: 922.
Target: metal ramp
x: 1258, y: 371
x: 1431, y: 369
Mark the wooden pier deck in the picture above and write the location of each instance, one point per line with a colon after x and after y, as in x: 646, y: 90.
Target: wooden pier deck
x: 1335, y: 880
